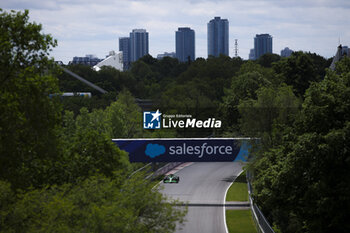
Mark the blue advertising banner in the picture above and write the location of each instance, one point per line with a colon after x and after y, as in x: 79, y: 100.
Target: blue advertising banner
x: 185, y: 149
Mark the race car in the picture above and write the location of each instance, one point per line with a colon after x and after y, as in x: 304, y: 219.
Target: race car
x: 171, y: 179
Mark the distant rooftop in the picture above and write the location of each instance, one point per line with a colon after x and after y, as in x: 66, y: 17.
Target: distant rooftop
x: 217, y: 18
x: 139, y: 30
x: 341, y: 52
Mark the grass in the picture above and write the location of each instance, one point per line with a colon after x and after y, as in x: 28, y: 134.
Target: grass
x: 240, y: 221
x: 238, y: 190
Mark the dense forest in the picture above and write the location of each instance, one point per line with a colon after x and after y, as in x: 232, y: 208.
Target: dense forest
x: 60, y: 170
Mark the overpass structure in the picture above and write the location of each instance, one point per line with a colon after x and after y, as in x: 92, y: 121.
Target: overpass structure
x: 144, y: 104
x: 90, y: 84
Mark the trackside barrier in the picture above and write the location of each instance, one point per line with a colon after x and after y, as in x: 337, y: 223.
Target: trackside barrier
x: 140, y: 169
x: 160, y: 171
x: 167, y: 167
x: 262, y: 224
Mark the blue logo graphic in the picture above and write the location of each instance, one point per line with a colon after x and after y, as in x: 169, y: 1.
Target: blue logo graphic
x: 154, y: 150
x: 151, y: 120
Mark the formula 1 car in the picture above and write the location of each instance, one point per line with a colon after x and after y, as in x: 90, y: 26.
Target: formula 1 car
x: 171, y: 179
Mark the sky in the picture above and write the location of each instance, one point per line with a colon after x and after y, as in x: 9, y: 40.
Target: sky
x: 84, y: 27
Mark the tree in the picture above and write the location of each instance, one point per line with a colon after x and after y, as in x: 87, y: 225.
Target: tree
x: 271, y: 107
x: 66, y: 175
x: 267, y: 59
x: 124, y: 117
x: 189, y: 99
x: 87, y: 149
x: 22, y: 45
x: 96, y: 204
x: 86, y: 140
x: 321, y: 63
x: 243, y: 87
x: 299, y: 181
x: 298, y: 71
x: 28, y: 117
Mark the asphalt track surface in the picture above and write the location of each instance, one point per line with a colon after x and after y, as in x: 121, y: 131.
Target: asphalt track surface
x: 203, y: 185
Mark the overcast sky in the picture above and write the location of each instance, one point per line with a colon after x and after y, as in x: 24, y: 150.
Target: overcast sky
x: 94, y: 26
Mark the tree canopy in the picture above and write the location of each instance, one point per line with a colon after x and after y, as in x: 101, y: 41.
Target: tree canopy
x: 28, y: 118
x: 300, y: 180
x: 59, y: 169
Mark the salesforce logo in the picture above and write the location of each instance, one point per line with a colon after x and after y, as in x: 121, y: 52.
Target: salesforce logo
x: 151, y: 120
x: 154, y: 150
x: 200, y: 150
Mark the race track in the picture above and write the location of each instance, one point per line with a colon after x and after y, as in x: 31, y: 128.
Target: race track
x: 203, y: 186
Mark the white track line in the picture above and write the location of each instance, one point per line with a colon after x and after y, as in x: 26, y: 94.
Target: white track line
x: 224, y: 208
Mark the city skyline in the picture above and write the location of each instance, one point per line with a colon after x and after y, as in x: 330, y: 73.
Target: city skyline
x: 84, y: 27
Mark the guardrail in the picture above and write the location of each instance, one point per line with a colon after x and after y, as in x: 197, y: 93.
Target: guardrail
x: 167, y: 167
x: 160, y: 171
x: 140, y: 169
x: 261, y: 222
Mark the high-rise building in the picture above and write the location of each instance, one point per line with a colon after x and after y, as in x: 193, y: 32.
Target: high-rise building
x: 252, y: 54
x: 185, y: 45
x: 286, y: 52
x: 262, y: 45
x: 124, y: 46
x: 218, y: 37
x: 166, y: 54
x: 138, y: 44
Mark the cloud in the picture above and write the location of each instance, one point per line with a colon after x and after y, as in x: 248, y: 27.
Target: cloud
x: 93, y: 27
x: 154, y: 150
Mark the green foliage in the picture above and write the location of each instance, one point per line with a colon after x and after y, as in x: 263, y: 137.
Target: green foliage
x: 267, y: 59
x: 343, y: 67
x: 28, y: 117
x: 211, y: 75
x: 87, y: 142
x: 64, y: 174
x: 91, y: 152
x: 302, y: 182
x: 243, y: 87
x: 272, y: 107
x: 299, y: 71
x: 78, y: 176
x: 198, y: 91
x: 326, y: 105
x: 238, y: 191
x: 240, y: 221
x: 321, y: 64
x: 22, y: 45
x: 97, y: 204
x: 75, y: 103
x: 124, y: 117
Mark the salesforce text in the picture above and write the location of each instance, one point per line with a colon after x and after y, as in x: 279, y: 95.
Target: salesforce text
x: 199, y: 150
